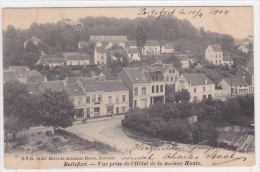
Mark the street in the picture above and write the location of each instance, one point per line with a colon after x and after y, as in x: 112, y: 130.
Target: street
x: 107, y: 131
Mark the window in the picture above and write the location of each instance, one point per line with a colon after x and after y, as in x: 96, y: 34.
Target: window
x: 102, y: 57
x: 232, y: 90
x: 172, y: 78
x: 123, y: 98
x: 204, y: 96
x: 219, y: 55
x: 161, y: 88
x: 136, y: 91
x: 144, y: 91
x: 96, y: 111
x: 73, y: 100
x: 123, y: 109
x: 167, y: 78
x: 78, y: 63
x: 219, y: 61
x: 204, y: 88
x: 209, y: 96
x: 110, y: 99
x: 195, y: 90
x: 157, y: 88
x: 216, y: 55
x: 135, y: 103
x: 94, y: 98
x: 79, y: 101
x: 176, y: 77
x: 88, y: 99
x: 173, y: 71
x: 70, y: 63
x: 170, y: 71
x: 100, y: 98
x: 117, y: 99
x: 216, y: 61
x: 195, y: 98
x: 153, y: 89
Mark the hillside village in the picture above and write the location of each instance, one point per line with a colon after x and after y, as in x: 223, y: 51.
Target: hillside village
x: 111, y: 74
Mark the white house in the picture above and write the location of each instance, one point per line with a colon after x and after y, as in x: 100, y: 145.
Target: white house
x: 110, y: 40
x: 100, y: 56
x: 214, y: 55
x: 184, y: 59
x: 198, y: 85
x: 167, y: 48
x: 133, y: 54
x: 80, y: 59
x: 244, y: 48
x: 151, y: 47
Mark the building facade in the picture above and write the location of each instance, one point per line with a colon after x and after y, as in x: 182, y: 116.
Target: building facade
x: 198, y: 85
x: 100, y: 56
x: 143, y: 91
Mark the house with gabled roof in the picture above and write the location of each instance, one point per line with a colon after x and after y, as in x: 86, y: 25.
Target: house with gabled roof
x: 21, y: 72
x: 77, y: 59
x: 184, y: 59
x: 109, y: 39
x: 167, y: 48
x: 143, y: 91
x: 151, y: 47
x: 34, y: 40
x: 198, y: 85
x: 52, y: 61
x: 214, y: 55
x: 100, y: 56
x: 234, y: 86
x: 247, y: 73
x: 133, y: 54
x: 35, y: 76
x: 244, y: 48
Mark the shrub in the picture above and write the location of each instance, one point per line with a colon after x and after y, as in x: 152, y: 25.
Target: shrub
x: 56, y: 139
x: 39, y: 142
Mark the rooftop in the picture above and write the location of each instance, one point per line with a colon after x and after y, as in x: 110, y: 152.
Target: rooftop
x: 152, y: 43
x: 197, y: 79
x: 101, y: 50
x: 92, y: 85
x: 133, y: 51
x: 9, y: 75
x: 236, y: 82
x: 54, y: 85
x: 113, y: 86
x: 74, y: 90
x: 33, y: 88
x: 35, y: 76
x: 136, y: 75
x: 227, y: 58
x: 50, y: 60
x: 216, y: 47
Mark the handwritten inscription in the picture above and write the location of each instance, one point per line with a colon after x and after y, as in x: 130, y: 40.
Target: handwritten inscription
x: 194, y: 13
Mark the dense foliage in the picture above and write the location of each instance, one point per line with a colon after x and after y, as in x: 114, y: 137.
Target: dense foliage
x: 64, y: 38
x: 170, y: 121
x: 23, y: 110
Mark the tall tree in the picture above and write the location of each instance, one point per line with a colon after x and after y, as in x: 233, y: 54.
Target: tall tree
x: 57, y: 109
x: 20, y: 108
x: 140, y: 39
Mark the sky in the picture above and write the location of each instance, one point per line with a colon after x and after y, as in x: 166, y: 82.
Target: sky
x: 235, y: 21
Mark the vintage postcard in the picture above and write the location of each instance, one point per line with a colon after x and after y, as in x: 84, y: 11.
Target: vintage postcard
x: 128, y: 87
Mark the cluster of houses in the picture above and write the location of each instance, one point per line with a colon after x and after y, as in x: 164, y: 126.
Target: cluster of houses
x: 137, y: 87
x: 103, y: 51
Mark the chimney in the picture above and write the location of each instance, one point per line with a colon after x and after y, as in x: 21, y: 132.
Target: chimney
x: 206, y: 81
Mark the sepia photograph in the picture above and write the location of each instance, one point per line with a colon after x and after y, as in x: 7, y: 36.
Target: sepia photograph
x: 128, y: 87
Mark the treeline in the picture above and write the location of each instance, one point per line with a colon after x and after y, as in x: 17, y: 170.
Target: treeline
x: 170, y: 121
x: 59, y: 38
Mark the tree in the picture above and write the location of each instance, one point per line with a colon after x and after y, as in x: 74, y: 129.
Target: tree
x: 140, y: 39
x: 20, y: 108
x: 57, y: 109
x: 174, y: 60
x: 182, y: 95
